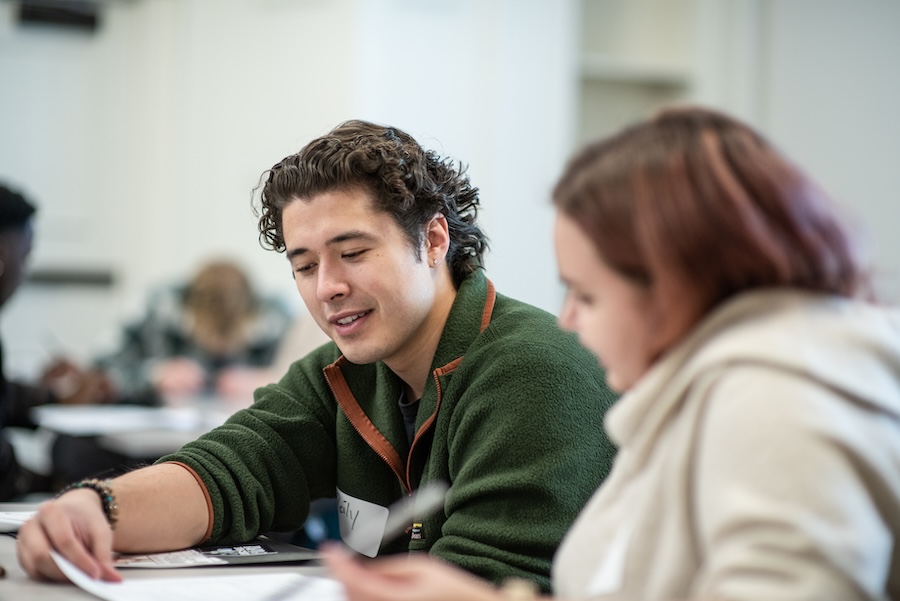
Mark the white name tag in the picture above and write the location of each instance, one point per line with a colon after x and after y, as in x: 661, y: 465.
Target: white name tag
x: 362, y: 523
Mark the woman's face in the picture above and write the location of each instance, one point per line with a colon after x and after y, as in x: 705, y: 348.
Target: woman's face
x: 614, y: 317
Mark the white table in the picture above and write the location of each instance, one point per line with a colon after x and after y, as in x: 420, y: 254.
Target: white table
x: 136, y: 431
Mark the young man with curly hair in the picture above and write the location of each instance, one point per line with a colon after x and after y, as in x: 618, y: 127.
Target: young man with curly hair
x: 431, y: 375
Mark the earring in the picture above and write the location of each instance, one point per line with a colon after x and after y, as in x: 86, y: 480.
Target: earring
x: 434, y: 262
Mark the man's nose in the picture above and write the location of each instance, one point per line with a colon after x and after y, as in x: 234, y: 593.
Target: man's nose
x: 331, y: 283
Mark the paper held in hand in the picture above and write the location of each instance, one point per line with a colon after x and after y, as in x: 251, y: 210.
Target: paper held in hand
x: 283, y: 586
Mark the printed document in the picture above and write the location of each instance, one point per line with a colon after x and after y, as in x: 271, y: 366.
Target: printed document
x: 286, y: 586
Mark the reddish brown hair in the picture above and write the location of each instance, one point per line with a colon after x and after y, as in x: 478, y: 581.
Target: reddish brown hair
x: 693, y: 199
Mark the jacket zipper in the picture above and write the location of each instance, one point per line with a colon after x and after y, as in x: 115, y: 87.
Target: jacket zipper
x: 384, y: 457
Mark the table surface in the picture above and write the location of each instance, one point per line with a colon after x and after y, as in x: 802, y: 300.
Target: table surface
x: 16, y: 586
x: 138, y: 431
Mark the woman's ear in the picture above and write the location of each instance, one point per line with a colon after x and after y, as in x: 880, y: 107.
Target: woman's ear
x: 673, y: 311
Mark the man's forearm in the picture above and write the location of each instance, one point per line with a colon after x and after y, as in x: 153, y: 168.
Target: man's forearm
x: 161, y: 508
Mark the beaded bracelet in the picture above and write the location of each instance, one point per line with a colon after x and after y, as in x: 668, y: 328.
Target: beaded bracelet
x: 107, y: 498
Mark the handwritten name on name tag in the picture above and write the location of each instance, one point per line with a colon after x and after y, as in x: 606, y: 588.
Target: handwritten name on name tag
x: 361, y: 522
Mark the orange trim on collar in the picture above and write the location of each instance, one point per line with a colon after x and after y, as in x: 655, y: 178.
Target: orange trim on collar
x: 488, y: 306
x: 426, y: 425
x: 360, y: 421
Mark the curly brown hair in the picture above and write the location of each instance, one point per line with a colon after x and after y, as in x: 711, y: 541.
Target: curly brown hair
x: 407, y: 182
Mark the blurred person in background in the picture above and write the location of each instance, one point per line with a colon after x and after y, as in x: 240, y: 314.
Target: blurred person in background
x: 213, y: 336
x: 61, y: 384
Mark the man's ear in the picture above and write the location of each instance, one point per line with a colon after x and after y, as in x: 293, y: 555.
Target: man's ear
x: 437, y: 238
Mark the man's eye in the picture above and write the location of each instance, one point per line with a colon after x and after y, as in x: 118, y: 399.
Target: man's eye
x: 353, y: 255
x: 305, y: 268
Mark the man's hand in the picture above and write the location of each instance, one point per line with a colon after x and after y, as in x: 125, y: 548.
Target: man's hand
x: 74, y: 526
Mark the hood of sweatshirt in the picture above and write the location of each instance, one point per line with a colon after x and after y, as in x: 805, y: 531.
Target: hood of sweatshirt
x: 848, y: 345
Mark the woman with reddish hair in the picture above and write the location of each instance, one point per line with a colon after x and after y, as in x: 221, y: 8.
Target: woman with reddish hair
x: 759, y: 430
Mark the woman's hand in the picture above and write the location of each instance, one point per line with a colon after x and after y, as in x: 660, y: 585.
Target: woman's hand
x: 406, y: 578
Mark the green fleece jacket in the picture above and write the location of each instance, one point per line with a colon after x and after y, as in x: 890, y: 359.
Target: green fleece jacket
x: 511, y: 419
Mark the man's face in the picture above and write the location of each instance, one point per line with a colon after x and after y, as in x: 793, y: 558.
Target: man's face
x: 360, y: 278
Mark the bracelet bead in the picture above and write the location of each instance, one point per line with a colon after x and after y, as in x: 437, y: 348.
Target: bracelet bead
x: 107, y: 498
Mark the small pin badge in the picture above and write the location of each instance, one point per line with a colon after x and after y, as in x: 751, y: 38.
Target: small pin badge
x: 417, y: 531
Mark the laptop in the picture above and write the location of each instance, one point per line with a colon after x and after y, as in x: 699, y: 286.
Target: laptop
x: 259, y: 550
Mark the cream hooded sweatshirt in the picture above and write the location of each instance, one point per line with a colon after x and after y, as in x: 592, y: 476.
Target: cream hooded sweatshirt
x: 759, y: 460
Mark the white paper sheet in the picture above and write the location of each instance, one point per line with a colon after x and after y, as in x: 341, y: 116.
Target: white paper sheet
x: 286, y: 586
x: 11, y: 520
